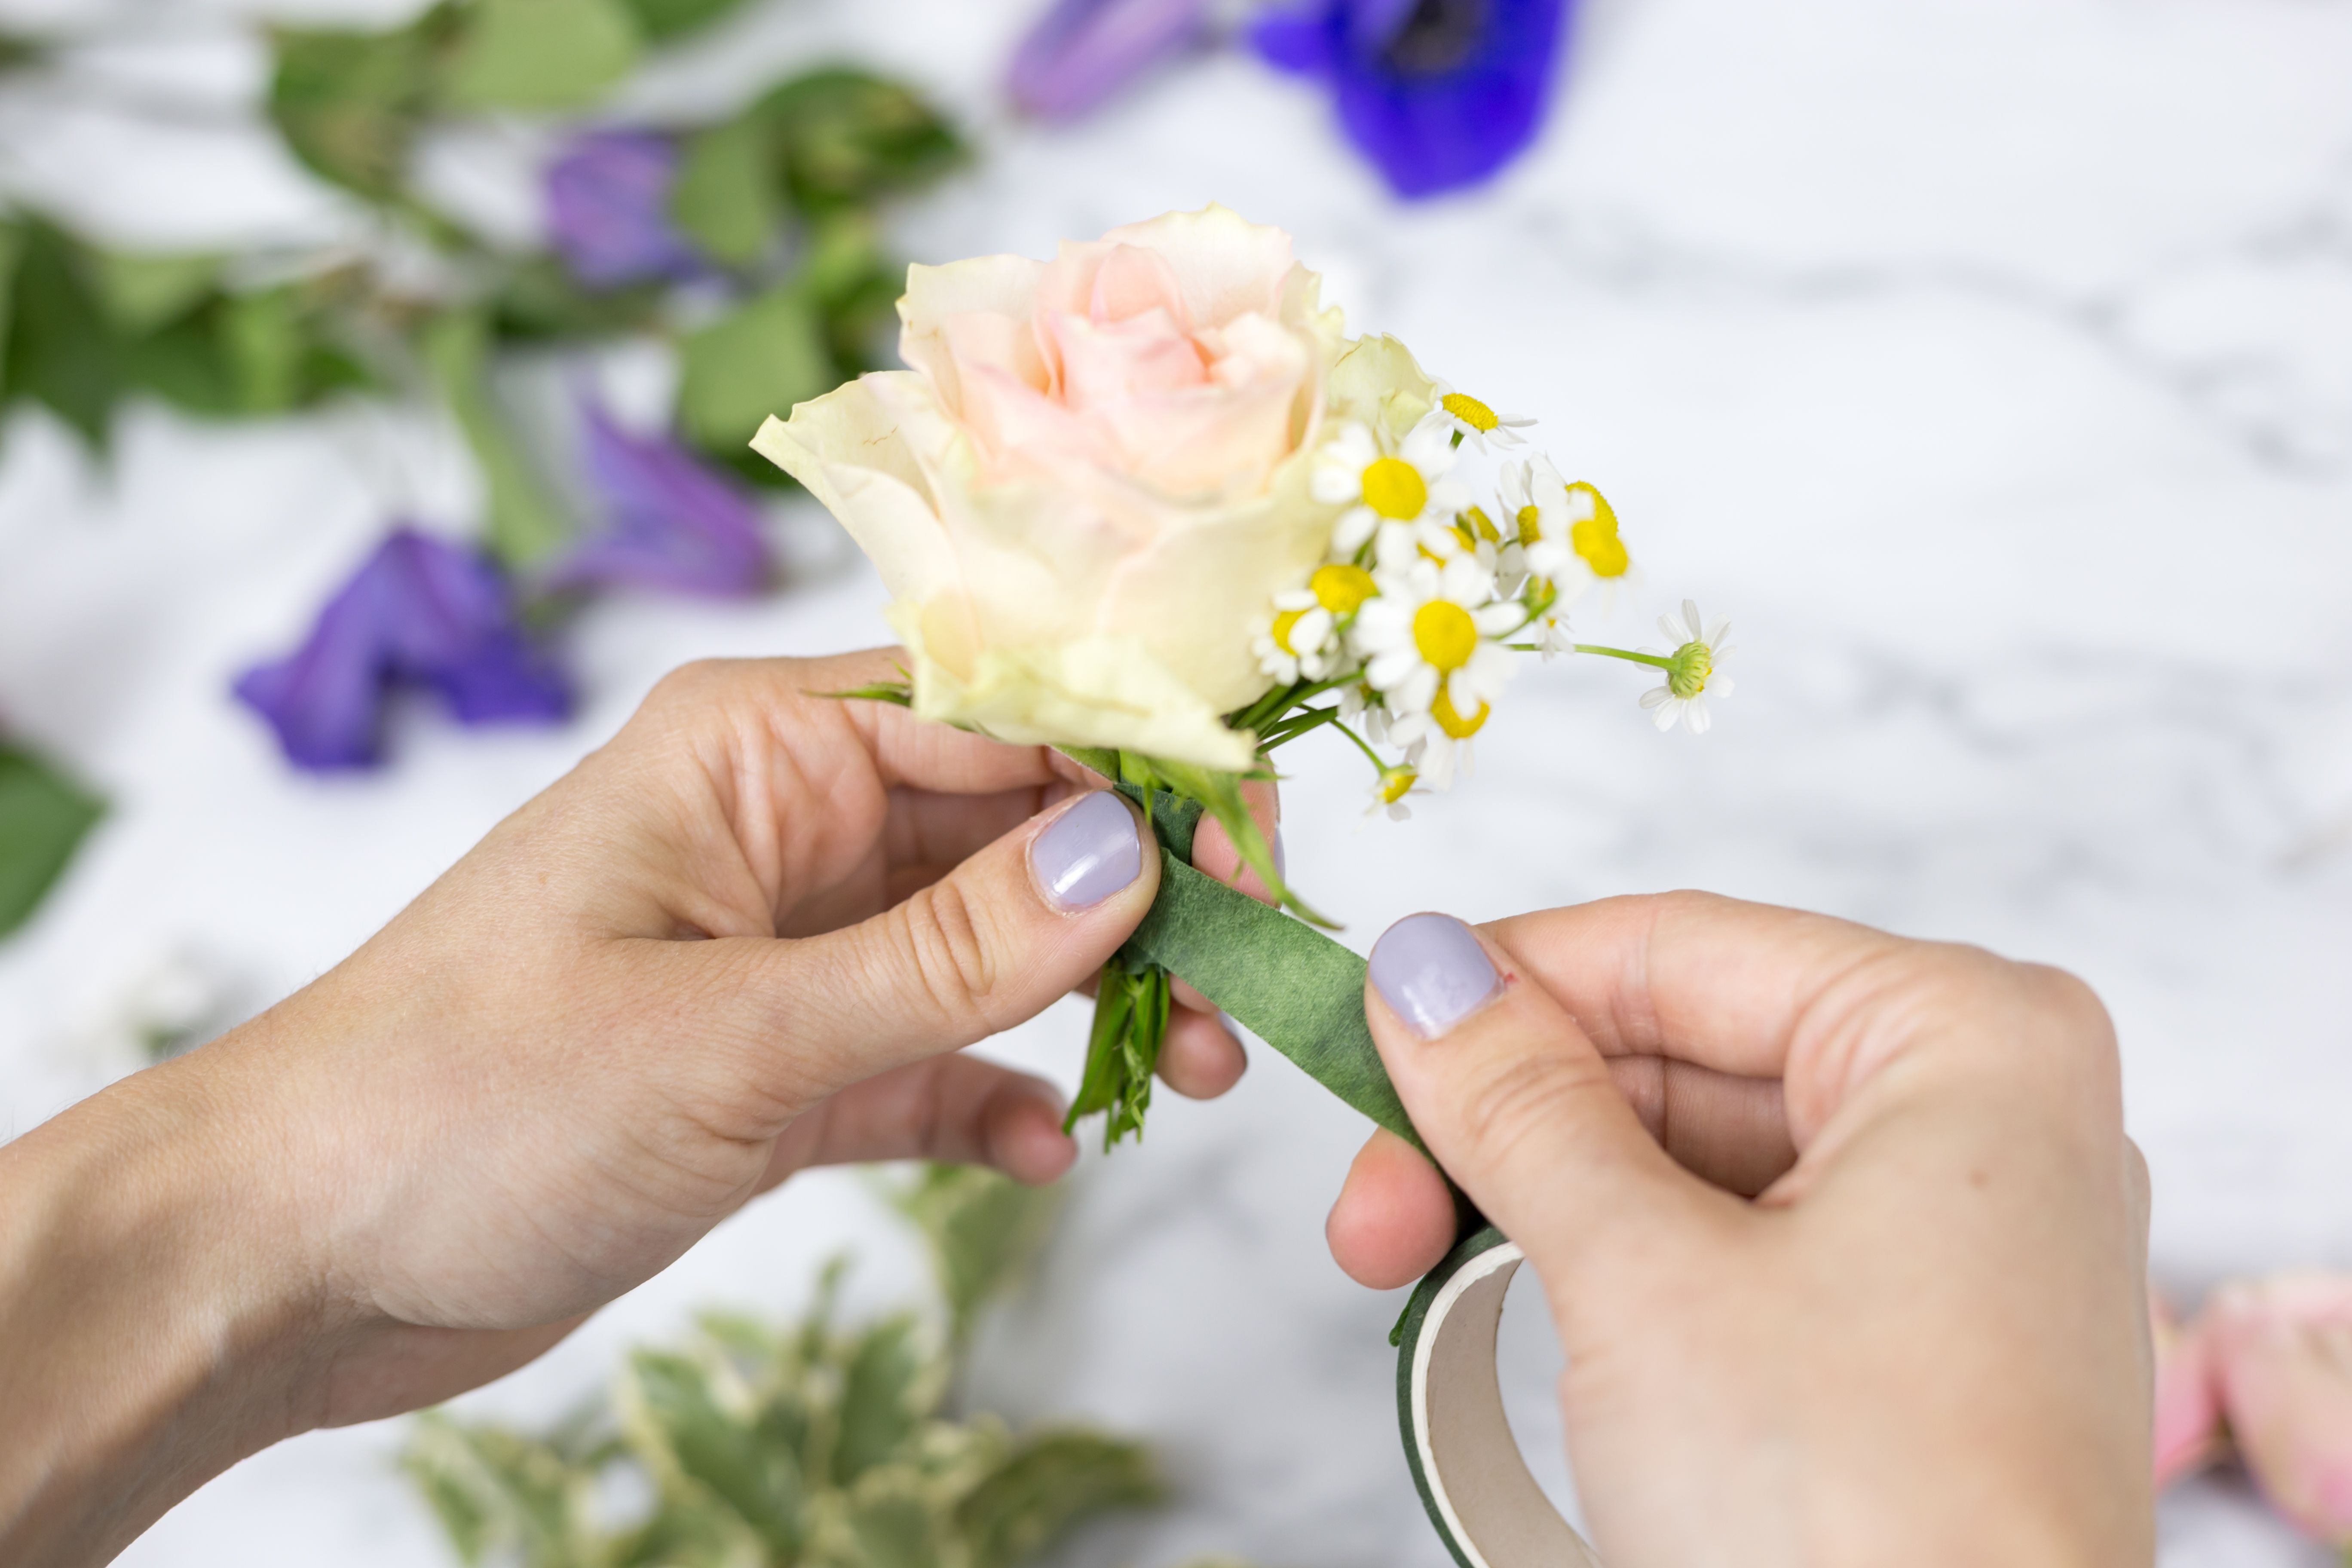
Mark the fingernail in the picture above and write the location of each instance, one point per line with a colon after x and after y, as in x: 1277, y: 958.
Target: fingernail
x: 1087, y: 853
x: 1431, y: 972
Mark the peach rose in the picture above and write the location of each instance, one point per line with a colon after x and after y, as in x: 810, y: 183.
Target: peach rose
x: 1091, y: 482
x: 2282, y: 1352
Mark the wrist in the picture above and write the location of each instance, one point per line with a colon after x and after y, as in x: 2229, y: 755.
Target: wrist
x: 158, y: 1306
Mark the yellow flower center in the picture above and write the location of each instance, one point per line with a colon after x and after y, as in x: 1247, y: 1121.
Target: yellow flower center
x: 1341, y: 589
x: 1471, y: 411
x: 1445, y: 635
x: 1394, y: 784
x: 1395, y: 488
x: 1595, y: 537
x: 1531, y: 525
x: 1283, y: 623
x: 1453, y: 723
x: 1474, y: 525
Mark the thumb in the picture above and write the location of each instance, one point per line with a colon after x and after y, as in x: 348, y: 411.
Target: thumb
x: 1512, y: 1099
x: 991, y: 944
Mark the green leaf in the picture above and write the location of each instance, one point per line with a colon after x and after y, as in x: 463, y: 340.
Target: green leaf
x: 1294, y: 987
x: 62, y: 352
x: 525, y: 525
x: 538, y: 299
x: 12, y: 251
x: 725, y: 195
x: 672, y: 1403
x: 983, y: 1231
x: 849, y: 137
x: 761, y: 358
x: 662, y: 20
x: 896, y: 693
x: 897, y: 1528
x: 888, y: 1388
x: 141, y: 292
x: 348, y: 103
x: 43, y: 819
x: 539, y: 54
x: 1051, y: 1482
x: 498, y: 1493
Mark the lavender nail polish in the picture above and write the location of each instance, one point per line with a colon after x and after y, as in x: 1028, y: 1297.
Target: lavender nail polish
x: 1430, y: 970
x: 1087, y: 853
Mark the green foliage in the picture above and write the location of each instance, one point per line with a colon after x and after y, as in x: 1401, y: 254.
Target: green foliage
x: 1131, y: 1003
x: 725, y: 199
x: 662, y: 20
x: 525, y: 525
x: 349, y: 104
x: 43, y: 816
x: 847, y: 138
x: 758, y: 359
x: 62, y: 351
x: 539, y: 54
x: 813, y: 1444
x: 983, y: 1232
x: 91, y: 327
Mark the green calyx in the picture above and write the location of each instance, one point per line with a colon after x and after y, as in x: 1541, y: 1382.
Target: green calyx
x: 1687, y: 669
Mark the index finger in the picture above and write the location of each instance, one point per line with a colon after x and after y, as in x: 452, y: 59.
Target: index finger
x: 1748, y: 990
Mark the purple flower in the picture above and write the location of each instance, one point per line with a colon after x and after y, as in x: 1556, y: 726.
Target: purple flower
x: 420, y: 611
x: 1439, y: 93
x: 608, y: 209
x: 1081, y: 51
x: 673, y: 524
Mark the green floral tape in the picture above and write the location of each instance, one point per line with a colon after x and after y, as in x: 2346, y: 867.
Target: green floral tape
x: 1280, y: 978
x: 1303, y: 994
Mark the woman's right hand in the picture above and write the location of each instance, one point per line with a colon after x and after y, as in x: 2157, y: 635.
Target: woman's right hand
x: 1842, y: 1237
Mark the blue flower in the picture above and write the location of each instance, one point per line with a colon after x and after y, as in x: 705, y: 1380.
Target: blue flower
x: 1081, y: 51
x: 1439, y: 93
x: 421, y: 612
x: 674, y: 523
x: 608, y: 209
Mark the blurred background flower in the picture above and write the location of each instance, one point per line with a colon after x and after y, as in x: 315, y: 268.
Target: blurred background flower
x: 1439, y: 94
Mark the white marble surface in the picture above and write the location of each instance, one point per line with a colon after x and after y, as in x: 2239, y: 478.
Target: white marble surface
x: 1990, y: 361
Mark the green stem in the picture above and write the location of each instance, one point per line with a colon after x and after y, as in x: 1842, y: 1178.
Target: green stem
x: 1298, y: 724
x: 1656, y: 661
x: 1362, y: 745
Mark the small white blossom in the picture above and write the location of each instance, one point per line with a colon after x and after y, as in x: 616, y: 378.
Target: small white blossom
x: 1479, y: 424
x: 1384, y: 489
x: 1431, y: 643
x: 1695, y: 673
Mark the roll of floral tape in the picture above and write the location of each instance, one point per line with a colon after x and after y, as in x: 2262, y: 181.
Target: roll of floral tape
x: 1303, y: 994
x: 1472, y: 1478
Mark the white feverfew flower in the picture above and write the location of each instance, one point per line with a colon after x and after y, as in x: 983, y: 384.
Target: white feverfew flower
x: 1389, y: 790
x: 1566, y: 533
x: 1431, y: 642
x: 1477, y: 422
x: 1433, y: 748
x: 1694, y: 673
x: 1306, y: 638
x: 1384, y: 489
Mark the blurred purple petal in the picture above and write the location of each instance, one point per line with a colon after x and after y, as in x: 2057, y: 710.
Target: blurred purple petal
x: 1438, y: 93
x: 675, y: 524
x: 1081, y: 51
x: 420, y: 611
x: 608, y: 209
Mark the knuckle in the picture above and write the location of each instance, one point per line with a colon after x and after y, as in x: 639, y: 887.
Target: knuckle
x: 949, y: 947
x: 1515, y: 1104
